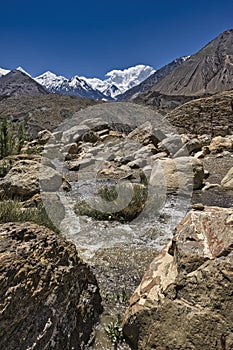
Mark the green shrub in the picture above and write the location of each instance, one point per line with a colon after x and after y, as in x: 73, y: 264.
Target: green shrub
x: 138, y: 192
x: 12, y: 136
x: 13, y: 211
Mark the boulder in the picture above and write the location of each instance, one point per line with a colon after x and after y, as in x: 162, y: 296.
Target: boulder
x: 220, y: 143
x: 145, y: 135
x: 227, y: 181
x: 27, y: 177
x: 184, y: 300
x: 45, y: 136
x: 171, y: 144
x: 178, y: 174
x: 49, y: 297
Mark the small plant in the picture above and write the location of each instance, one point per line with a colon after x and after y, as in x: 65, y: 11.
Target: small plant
x: 114, y: 332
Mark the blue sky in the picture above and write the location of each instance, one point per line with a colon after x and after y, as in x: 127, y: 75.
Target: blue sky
x: 92, y: 37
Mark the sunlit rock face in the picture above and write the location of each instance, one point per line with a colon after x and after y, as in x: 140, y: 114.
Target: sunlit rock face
x: 184, y: 300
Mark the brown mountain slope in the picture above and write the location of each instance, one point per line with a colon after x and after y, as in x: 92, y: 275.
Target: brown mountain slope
x: 46, y: 111
x: 211, y: 115
x: 208, y: 71
x: 17, y: 83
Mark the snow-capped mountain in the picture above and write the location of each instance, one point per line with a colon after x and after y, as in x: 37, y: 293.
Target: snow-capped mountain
x: 116, y: 83
x: 4, y: 71
x: 75, y: 86
x: 119, y: 81
x: 154, y: 78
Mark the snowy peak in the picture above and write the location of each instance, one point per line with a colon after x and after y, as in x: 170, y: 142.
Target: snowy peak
x: 118, y: 81
x: 75, y: 86
x: 130, y: 77
x: 4, y: 71
x: 20, y: 69
x: 51, y: 81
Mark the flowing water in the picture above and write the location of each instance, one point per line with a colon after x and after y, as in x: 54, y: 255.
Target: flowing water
x: 118, y: 253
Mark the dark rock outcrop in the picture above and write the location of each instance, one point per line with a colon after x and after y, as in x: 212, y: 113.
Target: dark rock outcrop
x: 185, y: 298
x: 17, y: 83
x: 49, y: 297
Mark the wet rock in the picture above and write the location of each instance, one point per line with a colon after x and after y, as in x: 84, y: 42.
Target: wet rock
x: 49, y: 297
x: 185, y: 297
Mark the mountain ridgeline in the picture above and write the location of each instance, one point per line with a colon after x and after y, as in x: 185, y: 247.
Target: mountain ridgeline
x: 207, y: 72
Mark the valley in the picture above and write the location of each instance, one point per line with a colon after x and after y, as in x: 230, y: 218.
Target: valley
x: 116, y: 207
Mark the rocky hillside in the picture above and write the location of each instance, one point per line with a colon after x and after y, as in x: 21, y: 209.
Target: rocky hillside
x: 45, y: 111
x: 212, y: 115
x: 185, y: 297
x: 17, y: 84
x: 49, y: 297
x: 208, y: 71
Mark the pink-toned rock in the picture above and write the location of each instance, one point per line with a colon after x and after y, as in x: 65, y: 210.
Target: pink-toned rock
x: 185, y: 298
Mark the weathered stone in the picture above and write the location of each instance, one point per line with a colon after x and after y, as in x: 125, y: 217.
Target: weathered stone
x: 49, y: 297
x: 27, y: 177
x: 185, y: 298
x: 219, y: 143
x: 171, y: 144
x: 44, y: 136
x: 177, y: 174
x: 73, y: 148
x: 74, y: 133
x: 227, y: 181
x: 80, y: 164
x: 137, y: 163
x: 145, y: 135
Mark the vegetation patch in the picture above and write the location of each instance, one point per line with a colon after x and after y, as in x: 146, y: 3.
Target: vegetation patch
x: 129, y: 197
x: 13, y: 211
x: 12, y: 136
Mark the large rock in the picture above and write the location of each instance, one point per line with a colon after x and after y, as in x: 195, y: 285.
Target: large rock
x: 227, y: 181
x: 185, y: 298
x: 27, y: 177
x: 49, y: 297
x: 219, y: 143
x: 177, y: 174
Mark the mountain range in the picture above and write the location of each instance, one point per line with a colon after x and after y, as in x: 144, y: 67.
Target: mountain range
x: 116, y: 82
x: 207, y: 72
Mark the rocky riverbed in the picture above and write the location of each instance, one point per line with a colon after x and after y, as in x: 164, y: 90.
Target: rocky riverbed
x: 118, y: 191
